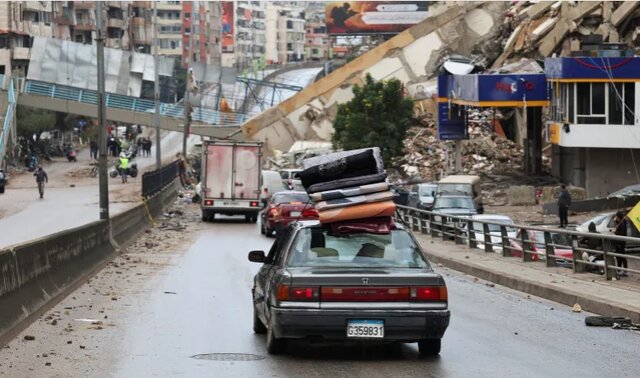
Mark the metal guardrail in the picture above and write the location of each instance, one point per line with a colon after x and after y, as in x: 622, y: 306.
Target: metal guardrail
x: 154, y: 181
x: 465, y: 231
x: 116, y: 101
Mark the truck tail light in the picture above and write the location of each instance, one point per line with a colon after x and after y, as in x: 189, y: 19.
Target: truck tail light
x: 254, y: 204
x: 208, y: 202
x: 298, y: 293
x: 428, y: 293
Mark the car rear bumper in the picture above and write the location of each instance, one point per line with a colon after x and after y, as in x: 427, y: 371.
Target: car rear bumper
x: 399, y: 325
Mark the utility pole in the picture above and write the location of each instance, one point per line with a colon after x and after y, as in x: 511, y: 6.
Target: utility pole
x: 102, y: 140
x: 187, y: 104
x: 156, y: 88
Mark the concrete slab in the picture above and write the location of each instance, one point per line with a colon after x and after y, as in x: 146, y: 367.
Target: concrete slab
x: 384, y: 68
x: 417, y: 54
x: 479, y: 21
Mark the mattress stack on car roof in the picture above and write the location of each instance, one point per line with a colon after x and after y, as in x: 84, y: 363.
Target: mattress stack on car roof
x: 348, y: 185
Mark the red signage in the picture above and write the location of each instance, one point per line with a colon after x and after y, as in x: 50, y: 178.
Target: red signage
x: 228, y: 26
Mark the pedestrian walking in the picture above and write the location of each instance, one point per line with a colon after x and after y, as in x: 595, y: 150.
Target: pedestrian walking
x: 564, y: 202
x: 620, y: 246
x: 93, y: 148
x: 41, y: 178
x: 124, y: 167
x: 147, y: 146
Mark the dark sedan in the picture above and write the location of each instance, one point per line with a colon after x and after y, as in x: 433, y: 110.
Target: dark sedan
x: 320, y: 283
x: 284, y: 208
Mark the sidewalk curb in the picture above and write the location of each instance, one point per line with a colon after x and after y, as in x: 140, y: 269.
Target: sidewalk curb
x: 568, y: 297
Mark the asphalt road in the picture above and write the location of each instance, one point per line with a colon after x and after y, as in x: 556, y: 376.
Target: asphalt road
x: 24, y: 217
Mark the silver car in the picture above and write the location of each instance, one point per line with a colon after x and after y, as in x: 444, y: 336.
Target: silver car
x: 348, y: 285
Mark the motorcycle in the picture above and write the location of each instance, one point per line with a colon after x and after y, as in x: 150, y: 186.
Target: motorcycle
x: 132, y: 171
x: 31, y: 162
x: 71, y: 155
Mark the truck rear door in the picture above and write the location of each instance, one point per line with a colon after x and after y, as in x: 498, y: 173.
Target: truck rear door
x: 247, y: 172
x: 219, y: 174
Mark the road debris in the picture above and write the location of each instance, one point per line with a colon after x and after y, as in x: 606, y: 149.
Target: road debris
x: 576, y: 308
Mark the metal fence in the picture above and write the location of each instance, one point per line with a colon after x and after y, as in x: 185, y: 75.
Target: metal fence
x: 154, y: 181
x: 583, y: 252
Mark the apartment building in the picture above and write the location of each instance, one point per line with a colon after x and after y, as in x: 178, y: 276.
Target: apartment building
x: 170, y: 28
x: 285, y: 34
x: 250, y: 34
x: 214, y: 31
x: 316, y: 41
x: 19, y: 21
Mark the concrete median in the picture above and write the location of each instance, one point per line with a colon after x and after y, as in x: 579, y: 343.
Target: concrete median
x: 36, y: 275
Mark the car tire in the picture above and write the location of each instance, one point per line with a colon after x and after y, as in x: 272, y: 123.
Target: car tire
x: 2, y: 189
x: 262, y: 230
x: 267, y: 231
x: 429, y: 347
x: 258, y: 326
x: 274, y: 344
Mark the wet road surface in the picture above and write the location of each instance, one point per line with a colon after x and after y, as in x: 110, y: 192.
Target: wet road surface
x: 200, y: 304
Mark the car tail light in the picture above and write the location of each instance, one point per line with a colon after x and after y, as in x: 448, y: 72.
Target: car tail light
x: 208, y: 202
x: 428, y: 293
x: 364, y: 294
x: 310, y: 213
x: 295, y: 203
x: 274, y: 212
x: 254, y: 204
x: 297, y: 293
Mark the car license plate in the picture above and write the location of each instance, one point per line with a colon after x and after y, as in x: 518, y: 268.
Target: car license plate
x: 295, y: 214
x: 365, y: 329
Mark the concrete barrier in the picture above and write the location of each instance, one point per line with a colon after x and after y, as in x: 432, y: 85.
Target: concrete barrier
x: 36, y: 275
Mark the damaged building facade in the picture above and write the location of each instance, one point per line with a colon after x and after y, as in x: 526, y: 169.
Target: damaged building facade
x: 593, y: 124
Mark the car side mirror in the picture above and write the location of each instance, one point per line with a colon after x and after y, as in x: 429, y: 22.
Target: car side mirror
x: 256, y: 256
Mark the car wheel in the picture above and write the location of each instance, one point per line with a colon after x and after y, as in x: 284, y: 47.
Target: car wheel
x: 274, y: 345
x: 262, y: 230
x: 258, y: 326
x: 268, y: 231
x: 429, y: 347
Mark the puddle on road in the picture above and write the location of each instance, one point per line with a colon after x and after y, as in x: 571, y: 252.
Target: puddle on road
x: 228, y: 357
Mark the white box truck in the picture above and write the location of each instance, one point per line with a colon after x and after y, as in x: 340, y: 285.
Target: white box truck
x: 231, y: 179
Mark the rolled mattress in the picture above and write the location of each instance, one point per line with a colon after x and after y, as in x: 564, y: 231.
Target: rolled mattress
x: 360, y: 211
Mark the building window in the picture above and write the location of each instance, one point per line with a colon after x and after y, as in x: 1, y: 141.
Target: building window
x: 621, y: 103
x: 591, y: 103
x: 187, y: 15
x: 289, y: 24
x: 4, y: 41
x: 114, y: 33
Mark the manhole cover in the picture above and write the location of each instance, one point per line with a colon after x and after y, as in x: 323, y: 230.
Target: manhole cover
x: 228, y: 357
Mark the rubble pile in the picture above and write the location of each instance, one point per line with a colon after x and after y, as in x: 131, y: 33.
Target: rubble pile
x: 484, y: 153
x: 540, y: 29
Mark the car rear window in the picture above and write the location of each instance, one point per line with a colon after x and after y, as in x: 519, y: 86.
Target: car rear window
x: 293, y: 197
x: 316, y: 247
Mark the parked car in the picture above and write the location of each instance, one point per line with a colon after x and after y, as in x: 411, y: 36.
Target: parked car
x: 495, y: 231
x: 3, y: 180
x: 348, y: 286
x: 271, y: 184
x: 426, y: 195
x: 284, y: 208
x: 536, y: 243
x: 604, y: 223
x: 463, y: 184
x: 291, y: 179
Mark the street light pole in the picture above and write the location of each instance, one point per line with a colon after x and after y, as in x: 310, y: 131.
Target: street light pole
x: 156, y: 88
x: 102, y: 140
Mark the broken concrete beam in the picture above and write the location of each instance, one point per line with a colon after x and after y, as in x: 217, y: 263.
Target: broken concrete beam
x: 604, y: 30
x: 607, y: 10
x: 614, y: 37
x: 544, y: 28
x: 623, y: 11
x: 508, y: 47
x: 583, y: 9
x: 554, y: 38
x: 537, y: 10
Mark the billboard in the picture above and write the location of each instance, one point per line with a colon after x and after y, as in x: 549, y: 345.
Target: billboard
x: 373, y: 17
x: 228, y: 26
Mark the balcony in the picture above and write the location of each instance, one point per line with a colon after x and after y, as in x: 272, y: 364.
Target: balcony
x: 115, y: 23
x: 166, y: 6
x: 21, y: 53
x: 114, y: 4
x: 63, y: 19
x: 84, y: 5
x: 115, y: 43
x: 138, y: 21
x: 85, y: 25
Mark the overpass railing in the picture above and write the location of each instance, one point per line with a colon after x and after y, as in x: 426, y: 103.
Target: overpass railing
x: 583, y: 252
x: 116, y: 101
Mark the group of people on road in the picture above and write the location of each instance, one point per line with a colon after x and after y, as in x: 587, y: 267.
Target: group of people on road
x: 144, y: 144
x: 595, y: 243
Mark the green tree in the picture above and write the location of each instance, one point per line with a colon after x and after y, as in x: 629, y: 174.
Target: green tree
x: 378, y: 115
x: 34, y: 121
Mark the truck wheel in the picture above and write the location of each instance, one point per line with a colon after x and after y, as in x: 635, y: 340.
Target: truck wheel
x: 205, y: 217
x: 2, y: 189
x: 254, y: 219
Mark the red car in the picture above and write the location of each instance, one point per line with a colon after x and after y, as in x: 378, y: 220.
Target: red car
x: 535, y: 243
x: 284, y: 208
